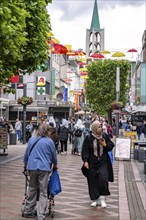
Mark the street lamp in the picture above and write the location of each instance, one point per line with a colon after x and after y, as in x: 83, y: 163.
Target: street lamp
x: 117, y: 98
x: 24, y: 114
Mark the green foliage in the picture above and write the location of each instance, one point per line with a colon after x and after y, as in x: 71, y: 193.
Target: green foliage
x: 23, y: 32
x: 101, y: 83
x: 37, y: 27
x: 25, y: 100
x: 12, y: 35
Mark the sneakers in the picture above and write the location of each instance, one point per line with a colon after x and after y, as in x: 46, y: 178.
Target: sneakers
x: 102, y: 202
x: 94, y: 204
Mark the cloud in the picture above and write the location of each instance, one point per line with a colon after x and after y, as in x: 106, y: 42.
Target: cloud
x: 123, y: 23
x: 74, y: 8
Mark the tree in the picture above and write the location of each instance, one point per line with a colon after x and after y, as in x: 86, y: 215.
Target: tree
x: 37, y: 26
x: 101, y: 84
x: 12, y: 35
x: 24, y: 25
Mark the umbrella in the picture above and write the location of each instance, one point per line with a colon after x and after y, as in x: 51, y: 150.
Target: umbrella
x: 59, y: 49
x: 118, y: 54
x: 132, y: 50
x: 82, y: 113
x: 80, y: 53
x: 82, y: 63
x: 84, y: 77
x: 68, y: 46
x: 83, y: 69
x: 97, y: 55
x: 71, y: 53
x: 105, y: 52
x: 50, y: 34
x: 83, y: 73
x: 81, y: 59
x: 53, y: 41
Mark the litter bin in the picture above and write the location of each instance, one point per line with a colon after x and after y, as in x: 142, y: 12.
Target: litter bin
x: 13, y: 138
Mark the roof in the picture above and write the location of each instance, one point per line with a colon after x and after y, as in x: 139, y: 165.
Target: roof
x: 95, y: 24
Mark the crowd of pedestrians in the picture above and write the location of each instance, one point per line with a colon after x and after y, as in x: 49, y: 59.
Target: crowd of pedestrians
x: 91, y: 140
x: 90, y: 137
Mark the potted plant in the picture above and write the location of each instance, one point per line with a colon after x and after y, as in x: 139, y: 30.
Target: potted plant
x: 25, y: 100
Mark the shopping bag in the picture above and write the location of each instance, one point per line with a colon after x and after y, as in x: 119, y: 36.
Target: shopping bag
x: 54, y: 185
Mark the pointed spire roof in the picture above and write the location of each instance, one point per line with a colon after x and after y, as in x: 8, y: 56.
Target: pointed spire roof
x: 95, y: 24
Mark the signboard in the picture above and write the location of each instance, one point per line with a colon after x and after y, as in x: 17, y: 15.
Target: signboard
x: 66, y: 94
x: 123, y: 148
x: 41, y: 103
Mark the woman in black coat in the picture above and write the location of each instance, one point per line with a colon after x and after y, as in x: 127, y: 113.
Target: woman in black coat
x: 97, y: 164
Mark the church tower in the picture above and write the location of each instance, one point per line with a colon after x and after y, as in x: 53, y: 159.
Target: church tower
x: 94, y: 35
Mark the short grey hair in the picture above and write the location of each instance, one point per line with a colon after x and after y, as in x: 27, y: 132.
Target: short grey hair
x: 43, y: 130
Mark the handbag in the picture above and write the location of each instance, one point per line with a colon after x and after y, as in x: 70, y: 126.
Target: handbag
x: 85, y: 171
x: 54, y: 184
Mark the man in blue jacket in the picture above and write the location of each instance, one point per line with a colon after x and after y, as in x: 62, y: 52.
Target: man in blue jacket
x: 39, y: 157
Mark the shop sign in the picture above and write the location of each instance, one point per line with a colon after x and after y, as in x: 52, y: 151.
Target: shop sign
x: 41, y: 103
x: 12, y: 102
x: 51, y: 103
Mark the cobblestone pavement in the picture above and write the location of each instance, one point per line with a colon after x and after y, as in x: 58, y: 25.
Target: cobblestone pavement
x: 126, y: 202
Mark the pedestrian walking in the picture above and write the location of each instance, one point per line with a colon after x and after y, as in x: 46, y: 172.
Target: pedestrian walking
x: 52, y: 121
x: 97, y: 164
x: 79, y: 129
x: 71, y: 130
x: 18, y: 129
x: 39, y: 156
x: 138, y: 130
x: 87, y: 124
x: 63, y: 132
x: 29, y: 130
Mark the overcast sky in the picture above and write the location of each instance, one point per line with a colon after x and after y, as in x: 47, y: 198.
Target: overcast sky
x: 123, y: 21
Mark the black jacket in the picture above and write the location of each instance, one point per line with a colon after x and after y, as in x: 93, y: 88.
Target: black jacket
x: 63, y: 133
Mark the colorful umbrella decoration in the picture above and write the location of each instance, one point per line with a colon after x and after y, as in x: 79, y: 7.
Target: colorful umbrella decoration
x: 71, y: 53
x: 84, y: 69
x: 50, y: 34
x: 132, y: 51
x: 97, y: 55
x: 83, y: 73
x: 68, y: 46
x: 81, y: 59
x: 80, y: 53
x: 59, y: 49
x: 82, y: 63
x: 118, y: 54
x: 105, y: 52
x: 53, y: 41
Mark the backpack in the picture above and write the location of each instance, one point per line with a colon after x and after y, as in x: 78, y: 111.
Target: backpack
x: 78, y: 132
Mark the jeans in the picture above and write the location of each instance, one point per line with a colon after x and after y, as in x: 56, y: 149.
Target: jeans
x: 18, y: 132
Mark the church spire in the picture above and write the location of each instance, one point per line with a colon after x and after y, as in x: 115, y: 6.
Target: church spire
x: 95, y: 24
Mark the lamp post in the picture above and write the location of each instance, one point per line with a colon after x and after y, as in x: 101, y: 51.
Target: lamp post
x: 24, y: 114
x: 117, y: 98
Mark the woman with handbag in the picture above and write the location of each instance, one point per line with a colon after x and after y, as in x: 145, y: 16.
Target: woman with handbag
x: 39, y: 157
x: 97, y: 165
